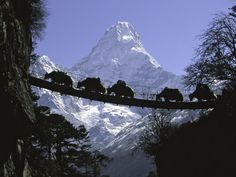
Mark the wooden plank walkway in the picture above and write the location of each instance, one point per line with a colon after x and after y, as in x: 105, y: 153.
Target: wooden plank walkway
x: 117, y: 100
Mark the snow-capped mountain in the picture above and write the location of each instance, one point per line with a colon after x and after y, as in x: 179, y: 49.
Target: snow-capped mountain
x: 119, y: 54
x: 103, y: 120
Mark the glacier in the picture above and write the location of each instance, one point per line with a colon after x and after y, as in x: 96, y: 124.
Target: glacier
x: 114, y: 129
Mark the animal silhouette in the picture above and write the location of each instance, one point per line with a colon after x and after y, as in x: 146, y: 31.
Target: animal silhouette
x: 169, y: 94
x: 202, y: 92
x: 120, y: 89
x: 91, y: 84
x: 59, y: 77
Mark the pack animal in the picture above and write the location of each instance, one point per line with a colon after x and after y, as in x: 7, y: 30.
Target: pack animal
x: 91, y: 84
x: 202, y: 92
x: 170, y: 94
x: 121, y: 90
x: 59, y: 77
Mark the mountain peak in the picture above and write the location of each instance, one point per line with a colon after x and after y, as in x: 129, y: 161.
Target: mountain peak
x: 122, y: 31
x: 119, y: 54
x: 42, y: 65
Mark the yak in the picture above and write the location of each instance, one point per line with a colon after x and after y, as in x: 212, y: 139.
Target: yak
x: 202, y: 92
x: 59, y: 77
x: 170, y: 94
x: 120, y: 89
x: 92, y: 84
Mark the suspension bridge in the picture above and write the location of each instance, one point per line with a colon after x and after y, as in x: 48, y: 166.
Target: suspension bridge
x: 144, y: 103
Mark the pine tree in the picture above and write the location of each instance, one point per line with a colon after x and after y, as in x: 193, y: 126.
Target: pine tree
x: 59, y: 149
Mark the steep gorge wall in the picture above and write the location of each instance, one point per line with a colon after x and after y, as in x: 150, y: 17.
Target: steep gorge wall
x: 16, y: 111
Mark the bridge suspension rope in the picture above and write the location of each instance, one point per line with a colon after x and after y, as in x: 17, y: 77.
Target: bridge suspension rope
x: 141, y: 91
x: 39, y: 82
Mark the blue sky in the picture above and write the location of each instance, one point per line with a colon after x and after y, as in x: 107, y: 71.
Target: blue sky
x: 168, y: 28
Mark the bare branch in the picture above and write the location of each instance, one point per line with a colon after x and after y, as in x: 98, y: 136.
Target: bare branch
x: 216, y: 55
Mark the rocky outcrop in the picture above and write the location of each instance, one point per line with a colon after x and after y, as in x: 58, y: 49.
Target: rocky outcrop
x: 16, y: 111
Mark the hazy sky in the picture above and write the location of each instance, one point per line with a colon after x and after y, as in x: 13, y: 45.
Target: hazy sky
x: 168, y: 28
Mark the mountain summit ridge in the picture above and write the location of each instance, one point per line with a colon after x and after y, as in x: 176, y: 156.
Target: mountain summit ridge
x: 122, y: 31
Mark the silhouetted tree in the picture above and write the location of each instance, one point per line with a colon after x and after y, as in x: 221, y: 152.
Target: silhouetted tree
x: 37, y: 22
x: 37, y: 18
x: 216, y: 55
x: 65, y: 143
x: 58, y: 149
x: 39, y: 153
x: 151, y: 174
x: 156, y: 133
x: 205, y: 147
x: 97, y: 160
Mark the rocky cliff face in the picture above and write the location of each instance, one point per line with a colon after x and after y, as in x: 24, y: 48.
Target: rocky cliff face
x: 17, y: 113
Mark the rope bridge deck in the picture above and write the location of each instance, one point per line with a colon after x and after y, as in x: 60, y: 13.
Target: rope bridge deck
x: 118, y: 100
